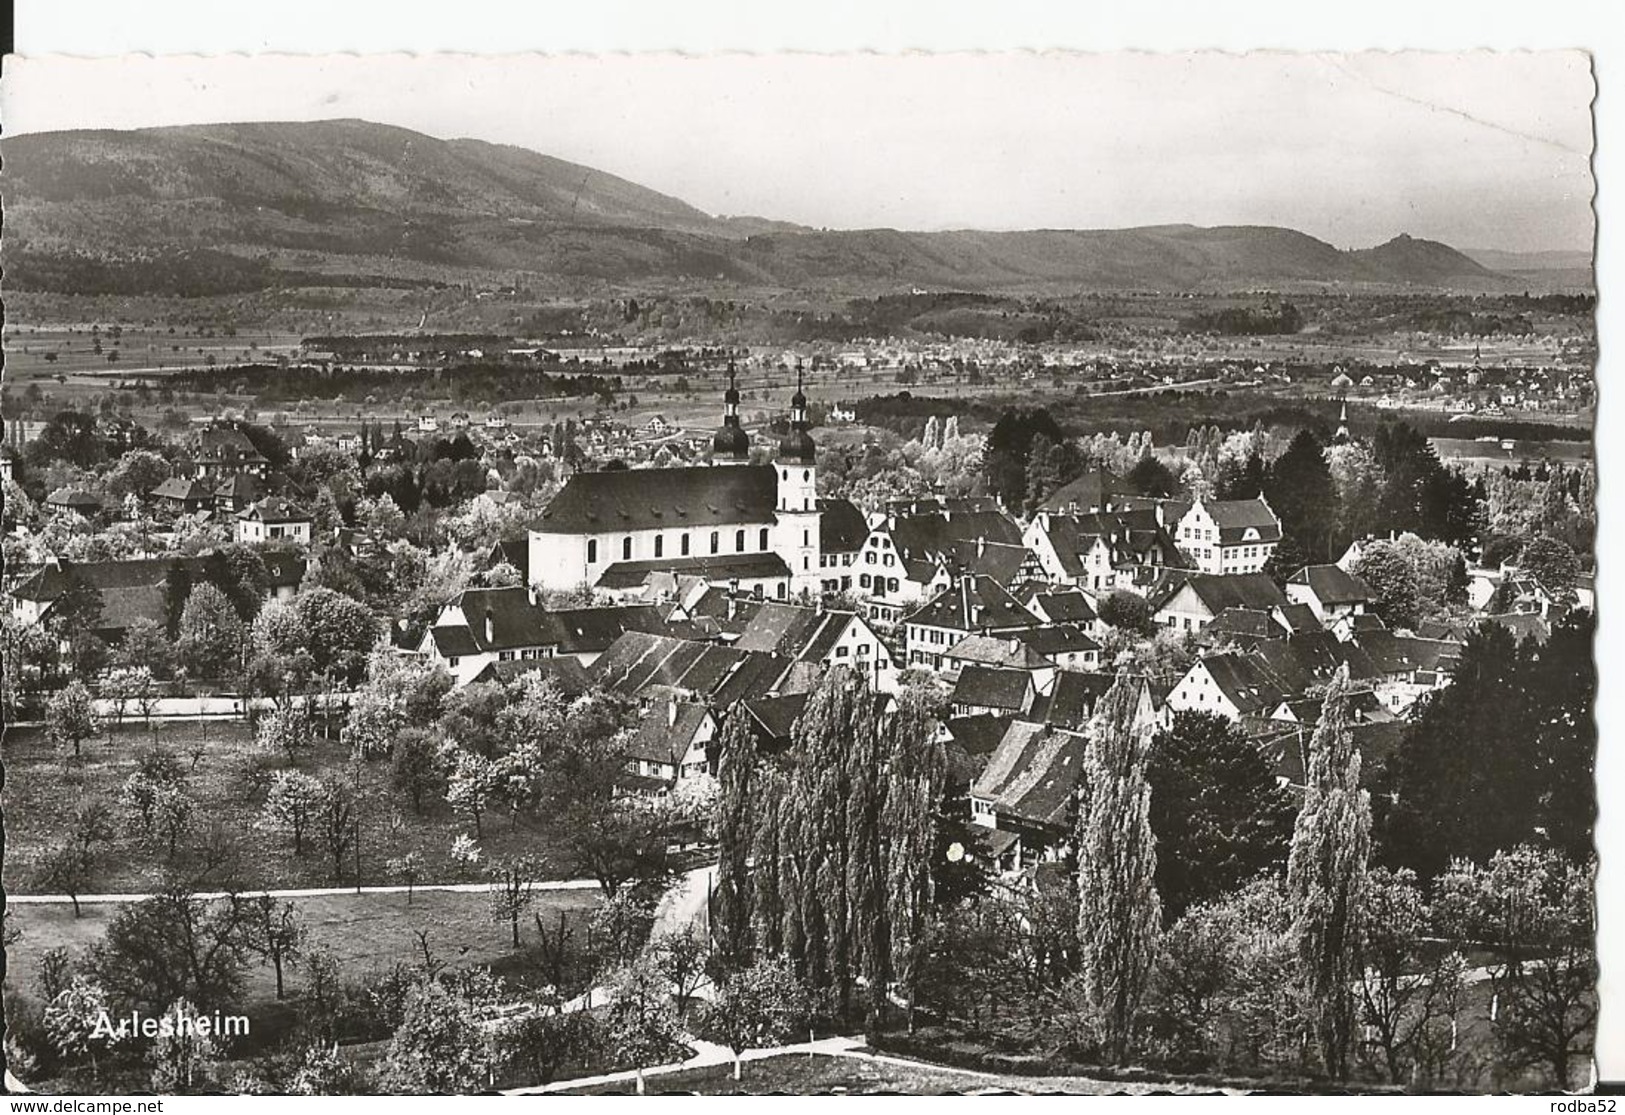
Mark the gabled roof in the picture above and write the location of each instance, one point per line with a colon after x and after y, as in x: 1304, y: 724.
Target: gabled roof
x: 1393, y: 654
x: 999, y: 560
x: 1331, y: 584
x: 72, y: 497
x: 1245, y: 682
x: 1062, y: 607
x: 1246, y: 625
x: 721, y: 675
x: 989, y: 687
x: 775, y: 717
x: 1218, y: 591
x: 1235, y: 517
x: 663, y: 498
x: 183, y: 491
x: 1033, y: 773
x: 513, y: 551
x: 1072, y: 700
x: 719, y: 567
x: 1057, y: 638
x: 665, y: 730
x: 516, y: 622
x: 273, y: 509
x: 240, y: 487
x: 1005, y: 652
x: 931, y: 536
x: 1089, y: 492
x: 841, y: 527
x: 1300, y: 618
x: 974, y: 604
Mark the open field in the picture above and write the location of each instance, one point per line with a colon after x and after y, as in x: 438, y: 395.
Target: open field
x: 364, y: 931
x: 41, y: 793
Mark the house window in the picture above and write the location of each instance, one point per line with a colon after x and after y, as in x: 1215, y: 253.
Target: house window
x: 761, y: 539
x: 739, y: 541
x: 626, y: 548
x: 806, y: 538
x: 893, y: 583
x: 452, y: 661
x: 840, y: 652
x: 863, y: 581
x: 869, y: 557
x: 592, y: 550
x: 660, y: 545
x: 684, y: 545
x: 716, y: 541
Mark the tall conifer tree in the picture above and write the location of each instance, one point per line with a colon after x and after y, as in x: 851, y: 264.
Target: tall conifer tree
x: 1326, y: 878
x: 1119, y: 913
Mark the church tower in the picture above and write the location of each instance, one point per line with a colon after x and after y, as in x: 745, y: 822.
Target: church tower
x: 731, y: 445
x: 1342, y: 436
x: 798, y: 516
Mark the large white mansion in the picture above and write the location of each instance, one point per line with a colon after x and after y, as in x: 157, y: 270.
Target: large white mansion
x: 730, y: 522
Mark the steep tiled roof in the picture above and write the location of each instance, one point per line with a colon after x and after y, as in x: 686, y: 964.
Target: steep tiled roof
x: 1235, y: 517
x: 989, y: 687
x: 974, y: 604
x: 1219, y: 591
x: 841, y: 527
x: 651, y: 498
x: 1002, y: 651
x: 1089, y: 492
x: 1033, y: 773
x: 1062, y: 607
x: 273, y: 509
x: 1072, y: 701
x: 719, y: 568
x: 1331, y: 584
x: 665, y: 730
x: 183, y: 491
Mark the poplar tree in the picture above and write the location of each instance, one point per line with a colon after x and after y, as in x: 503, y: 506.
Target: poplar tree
x: 916, y: 773
x: 1119, y: 912
x: 731, y: 915
x: 1326, y: 879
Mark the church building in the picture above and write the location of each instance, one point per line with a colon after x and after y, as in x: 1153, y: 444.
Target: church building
x: 729, y: 522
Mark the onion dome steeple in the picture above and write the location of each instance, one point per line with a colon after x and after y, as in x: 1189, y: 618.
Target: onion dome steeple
x: 797, y: 446
x: 731, y: 445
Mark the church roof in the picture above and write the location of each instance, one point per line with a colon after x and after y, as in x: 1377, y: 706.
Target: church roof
x: 655, y: 498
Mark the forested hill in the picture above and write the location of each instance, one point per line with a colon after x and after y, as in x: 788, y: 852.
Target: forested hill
x: 243, y: 206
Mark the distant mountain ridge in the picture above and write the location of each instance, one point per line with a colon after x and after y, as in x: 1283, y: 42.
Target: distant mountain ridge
x: 352, y: 197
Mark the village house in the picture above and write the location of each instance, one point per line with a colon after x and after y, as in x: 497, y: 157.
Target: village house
x: 1329, y: 591
x: 1192, y: 602
x: 669, y: 745
x: 182, y: 496
x: 1103, y: 551
x: 912, y: 555
x: 222, y: 449
x: 273, y: 519
x: 842, y: 531
x: 823, y: 638
x: 1094, y: 492
x: 490, y: 625
x: 971, y: 605
x: 989, y: 690
x: 1229, y: 536
x: 75, y: 503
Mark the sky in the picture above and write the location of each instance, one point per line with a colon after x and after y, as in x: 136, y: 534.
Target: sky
x: 1479, y: 149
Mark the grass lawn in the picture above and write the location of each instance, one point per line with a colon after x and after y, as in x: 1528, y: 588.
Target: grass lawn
x: 818, y: 1074
x: 42, y: 792
x: 364, y: 931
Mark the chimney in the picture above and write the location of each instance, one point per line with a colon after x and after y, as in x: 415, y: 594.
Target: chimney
x: 671, y: 713
x: 534, y: 591
x: 964, y: 600
x: 981, y: 545
x: 490, y: 629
